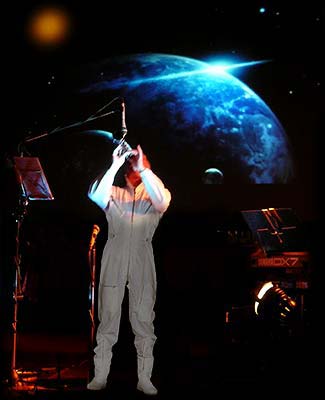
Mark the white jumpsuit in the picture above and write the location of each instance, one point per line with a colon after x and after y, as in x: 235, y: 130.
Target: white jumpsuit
x: 128, y: 260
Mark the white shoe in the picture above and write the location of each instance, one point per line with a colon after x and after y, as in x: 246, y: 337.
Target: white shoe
x: 145, y: 386
x: 96, y: 385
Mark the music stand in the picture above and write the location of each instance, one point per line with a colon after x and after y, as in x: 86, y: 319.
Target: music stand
x: 31, y: 177
x: 33, y: 186
x: 277, y: 230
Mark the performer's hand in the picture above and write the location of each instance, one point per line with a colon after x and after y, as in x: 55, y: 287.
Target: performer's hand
x: 120, y: 155
x: 137, y: 159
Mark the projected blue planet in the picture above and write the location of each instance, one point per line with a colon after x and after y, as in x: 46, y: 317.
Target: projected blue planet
x: 191, y: 118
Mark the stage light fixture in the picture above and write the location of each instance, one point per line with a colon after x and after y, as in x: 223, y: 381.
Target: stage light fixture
x: 273, y: 304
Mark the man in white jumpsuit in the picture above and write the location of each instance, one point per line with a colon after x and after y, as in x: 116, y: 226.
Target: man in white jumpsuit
x: 133, y: 213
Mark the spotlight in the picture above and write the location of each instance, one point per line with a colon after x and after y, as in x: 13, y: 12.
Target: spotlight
x: 273, y: 304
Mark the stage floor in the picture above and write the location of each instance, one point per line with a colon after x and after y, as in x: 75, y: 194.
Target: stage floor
x: 58, y: 366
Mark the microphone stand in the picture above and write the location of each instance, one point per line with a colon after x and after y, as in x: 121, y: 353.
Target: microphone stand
x: 31, y: 139
x: 92, y: 117
x: 25, y: 196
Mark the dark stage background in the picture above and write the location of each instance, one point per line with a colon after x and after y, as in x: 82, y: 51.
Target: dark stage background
x: 202, y: 246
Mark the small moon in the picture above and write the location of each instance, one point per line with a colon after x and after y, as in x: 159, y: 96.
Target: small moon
x: 212, y: 176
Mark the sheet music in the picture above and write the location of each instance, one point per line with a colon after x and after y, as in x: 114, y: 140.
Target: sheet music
x: 31, y: 177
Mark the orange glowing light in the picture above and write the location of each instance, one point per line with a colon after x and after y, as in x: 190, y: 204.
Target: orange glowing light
x: 49, y: 26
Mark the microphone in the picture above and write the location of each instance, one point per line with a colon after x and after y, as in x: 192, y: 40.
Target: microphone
x: 94, y: 234
x: 124, y: 131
